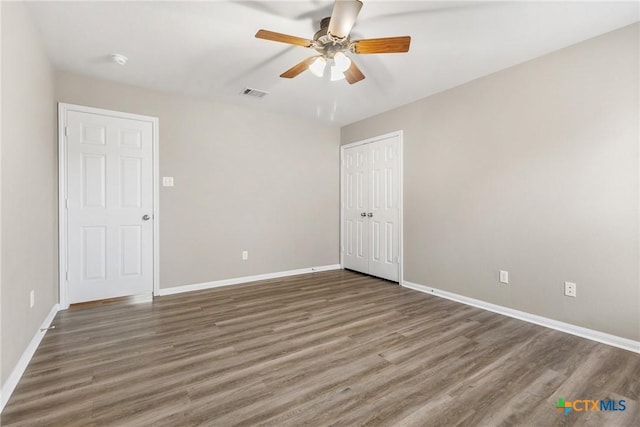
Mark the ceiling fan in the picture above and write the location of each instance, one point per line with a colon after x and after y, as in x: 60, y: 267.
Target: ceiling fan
x: 332, y: 41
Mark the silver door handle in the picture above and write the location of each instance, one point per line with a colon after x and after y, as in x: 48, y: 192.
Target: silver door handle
x: 370, y: 214
x: 363, y: 214
x: 146, y: 217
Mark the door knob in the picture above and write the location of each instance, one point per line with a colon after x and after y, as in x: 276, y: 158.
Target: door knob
x: 363, y: 214
x: 146, y: 217
x: 370, y: 214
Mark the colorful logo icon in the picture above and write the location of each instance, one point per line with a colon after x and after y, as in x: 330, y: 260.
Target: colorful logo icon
x: 563, y: 406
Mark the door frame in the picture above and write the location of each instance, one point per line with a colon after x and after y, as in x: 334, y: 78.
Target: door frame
x: 63, y: 109
x: 398, y: 134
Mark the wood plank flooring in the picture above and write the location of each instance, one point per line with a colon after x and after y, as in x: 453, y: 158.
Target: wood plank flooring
x: 332, y: 348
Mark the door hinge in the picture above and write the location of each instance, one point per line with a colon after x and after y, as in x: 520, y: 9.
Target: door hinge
x: 66, y: 203
x: 66, y: 131
x: 66, y: 275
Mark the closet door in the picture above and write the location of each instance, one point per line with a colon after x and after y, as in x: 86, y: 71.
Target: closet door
x: 355, y: 205
x: 371, y: 208
x: 384, y: 208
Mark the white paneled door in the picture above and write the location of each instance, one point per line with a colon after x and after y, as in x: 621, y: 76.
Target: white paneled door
x: 355, y: 208
x: 371, y: 207
x: 109, y: 192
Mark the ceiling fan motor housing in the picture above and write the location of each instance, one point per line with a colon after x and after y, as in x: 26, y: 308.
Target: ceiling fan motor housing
x: 327, y: 44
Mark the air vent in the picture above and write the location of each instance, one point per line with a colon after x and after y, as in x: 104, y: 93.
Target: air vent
x: 255, y: 92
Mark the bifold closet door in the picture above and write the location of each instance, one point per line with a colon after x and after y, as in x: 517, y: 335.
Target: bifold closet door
x: 355, y: 208
x: 371, y: 208
x: 384, y: 208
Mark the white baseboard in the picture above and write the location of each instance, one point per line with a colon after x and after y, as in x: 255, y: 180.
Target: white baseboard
x: 591, y: 334
x: 23, y: 362
x: 245, y: 279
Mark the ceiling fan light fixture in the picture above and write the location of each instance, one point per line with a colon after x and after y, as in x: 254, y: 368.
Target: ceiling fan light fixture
x: 336, y: 73
x: 317, y: 67
x: 332, y: 41
x: 342, y: 61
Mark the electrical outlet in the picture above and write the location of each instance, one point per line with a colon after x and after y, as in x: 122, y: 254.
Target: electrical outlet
x: 32, y: 298
x: 245, y: 255
x: 570, y: 289
x: 504, y: 277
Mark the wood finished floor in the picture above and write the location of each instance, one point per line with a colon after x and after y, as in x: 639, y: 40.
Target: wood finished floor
x: 332, y: 348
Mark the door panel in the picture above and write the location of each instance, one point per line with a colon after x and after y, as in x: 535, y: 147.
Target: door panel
x: 94, y: 253
x: 93, y: 181
x: 356, y: 239
x: 130, y: 250
x: 385, y: 169
x: 130, y: 182
x: 109, y: 189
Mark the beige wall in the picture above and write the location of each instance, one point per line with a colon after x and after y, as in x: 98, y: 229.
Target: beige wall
x: 28, y: 184
x: 534, y: 170
x: 244, y: 180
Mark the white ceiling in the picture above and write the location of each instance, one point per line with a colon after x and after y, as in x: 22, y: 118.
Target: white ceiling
x: 208, y: 49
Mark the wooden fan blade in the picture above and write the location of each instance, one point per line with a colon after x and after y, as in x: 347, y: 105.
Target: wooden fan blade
x: 343, y: 17
x: 384, y: 45
x: 298, y: 68
x: 283, y: 38
x: 353, y: 74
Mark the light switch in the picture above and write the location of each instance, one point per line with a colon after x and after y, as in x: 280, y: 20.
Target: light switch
x: 167, y: 181
x: 504, y: 276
